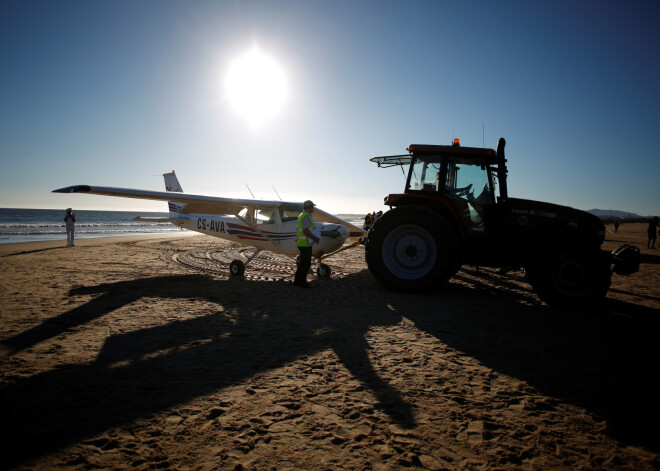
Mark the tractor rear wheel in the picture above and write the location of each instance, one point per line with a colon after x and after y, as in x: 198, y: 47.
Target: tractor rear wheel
x: 571, y: 277
x: 412, y: 249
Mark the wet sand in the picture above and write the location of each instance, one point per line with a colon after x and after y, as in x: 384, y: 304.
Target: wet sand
x: 142, y: 352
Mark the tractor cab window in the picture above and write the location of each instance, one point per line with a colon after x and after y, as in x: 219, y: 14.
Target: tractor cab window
x: 469, y: 188
x: 424, y: 176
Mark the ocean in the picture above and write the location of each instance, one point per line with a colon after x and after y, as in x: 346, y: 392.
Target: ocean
x: 33, y: 225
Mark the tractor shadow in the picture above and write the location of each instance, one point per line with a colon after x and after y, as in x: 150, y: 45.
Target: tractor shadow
x: 603, y: 360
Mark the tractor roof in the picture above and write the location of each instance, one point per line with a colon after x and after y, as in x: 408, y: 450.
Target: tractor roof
x: 487, y: 155
x: 426, y: 149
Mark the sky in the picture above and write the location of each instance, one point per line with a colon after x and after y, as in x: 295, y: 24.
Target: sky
x: 116, y: 93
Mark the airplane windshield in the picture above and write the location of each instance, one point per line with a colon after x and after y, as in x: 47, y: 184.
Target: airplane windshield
x: 265, y: 216
x: 290, y: 215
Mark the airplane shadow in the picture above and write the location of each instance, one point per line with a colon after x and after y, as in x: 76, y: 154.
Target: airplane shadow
x: 603, y: 362
x: 145, y: 371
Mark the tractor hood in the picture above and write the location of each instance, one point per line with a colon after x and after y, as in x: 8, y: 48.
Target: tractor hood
x: 538, y: 215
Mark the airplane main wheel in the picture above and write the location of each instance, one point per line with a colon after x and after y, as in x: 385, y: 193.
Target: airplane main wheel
x: 237, y: 268
x: 323, y: 270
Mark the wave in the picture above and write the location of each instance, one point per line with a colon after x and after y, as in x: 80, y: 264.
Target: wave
x: 22, y: 225
x: 97, y: 231
x: 97, y: 224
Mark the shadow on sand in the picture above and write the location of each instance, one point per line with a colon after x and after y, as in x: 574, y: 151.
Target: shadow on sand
x: 603, y: 362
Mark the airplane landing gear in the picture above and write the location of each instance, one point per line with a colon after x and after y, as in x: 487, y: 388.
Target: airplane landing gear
x: 323, y: 270
x: 237, y: 268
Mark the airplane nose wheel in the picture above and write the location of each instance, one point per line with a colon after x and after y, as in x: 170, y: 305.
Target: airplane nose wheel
x: 323, y: 270
x: 237, y: 268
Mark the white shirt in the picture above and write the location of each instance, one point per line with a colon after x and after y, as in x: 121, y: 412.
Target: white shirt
x: 70, y: 221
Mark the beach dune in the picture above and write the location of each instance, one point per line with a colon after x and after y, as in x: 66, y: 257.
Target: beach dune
x: 142, y: 352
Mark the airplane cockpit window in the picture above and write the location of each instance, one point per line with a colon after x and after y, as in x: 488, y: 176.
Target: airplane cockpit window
x: 265, y: 216
x: 290, y: 215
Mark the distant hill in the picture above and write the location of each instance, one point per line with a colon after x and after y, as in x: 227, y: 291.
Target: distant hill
x: 612, y: 213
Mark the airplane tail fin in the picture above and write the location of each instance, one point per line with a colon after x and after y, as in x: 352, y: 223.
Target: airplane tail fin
x: 172, y: 184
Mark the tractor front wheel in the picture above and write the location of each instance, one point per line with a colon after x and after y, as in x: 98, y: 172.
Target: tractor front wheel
x: 412, y: 249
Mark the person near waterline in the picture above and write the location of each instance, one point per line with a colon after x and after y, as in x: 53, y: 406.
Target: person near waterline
x: 70, y: 221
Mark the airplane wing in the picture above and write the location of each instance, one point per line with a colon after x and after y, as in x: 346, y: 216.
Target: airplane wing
x: 199, y: 204
x: 194, y: 204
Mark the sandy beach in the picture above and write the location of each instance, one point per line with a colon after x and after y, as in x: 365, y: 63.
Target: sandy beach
x: 143, y: 353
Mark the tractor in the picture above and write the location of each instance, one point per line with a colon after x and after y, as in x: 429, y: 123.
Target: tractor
x: 450, y: 214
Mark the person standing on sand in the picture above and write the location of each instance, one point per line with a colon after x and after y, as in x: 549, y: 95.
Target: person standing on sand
x: 653, y: 232
x: 70, y: 220
x: 306, y: 239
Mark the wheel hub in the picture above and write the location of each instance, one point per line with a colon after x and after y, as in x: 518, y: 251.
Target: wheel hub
x: 409, y: 252
x: 571, y: 274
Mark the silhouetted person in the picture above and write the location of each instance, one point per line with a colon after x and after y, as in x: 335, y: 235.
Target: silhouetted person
x: 653, y: 232
x: 70, y: 220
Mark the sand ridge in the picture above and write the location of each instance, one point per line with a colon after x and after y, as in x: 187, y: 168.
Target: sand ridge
x: 115, y: 355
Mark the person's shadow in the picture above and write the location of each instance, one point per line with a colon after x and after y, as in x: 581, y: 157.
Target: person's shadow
x: 145, y: 371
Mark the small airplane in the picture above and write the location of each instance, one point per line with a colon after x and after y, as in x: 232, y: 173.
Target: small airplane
x: 264, y: 225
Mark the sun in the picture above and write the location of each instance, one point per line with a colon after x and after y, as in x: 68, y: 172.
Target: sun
x: 256, y: 87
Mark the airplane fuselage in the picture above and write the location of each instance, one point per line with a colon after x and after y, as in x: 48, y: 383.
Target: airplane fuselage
x: 274, y: 237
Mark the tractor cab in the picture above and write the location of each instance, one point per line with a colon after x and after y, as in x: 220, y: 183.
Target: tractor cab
x: 464, y: 179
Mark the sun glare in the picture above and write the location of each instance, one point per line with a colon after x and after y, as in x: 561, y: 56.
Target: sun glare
x: 256, y: 87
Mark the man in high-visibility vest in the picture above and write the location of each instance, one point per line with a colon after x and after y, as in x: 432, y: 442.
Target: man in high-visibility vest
x: 306, y: 239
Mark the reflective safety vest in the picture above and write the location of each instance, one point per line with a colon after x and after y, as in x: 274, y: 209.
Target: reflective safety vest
x: 302, y: 238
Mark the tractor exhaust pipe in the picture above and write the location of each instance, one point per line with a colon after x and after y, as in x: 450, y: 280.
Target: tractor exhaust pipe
x: 501, y: 170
